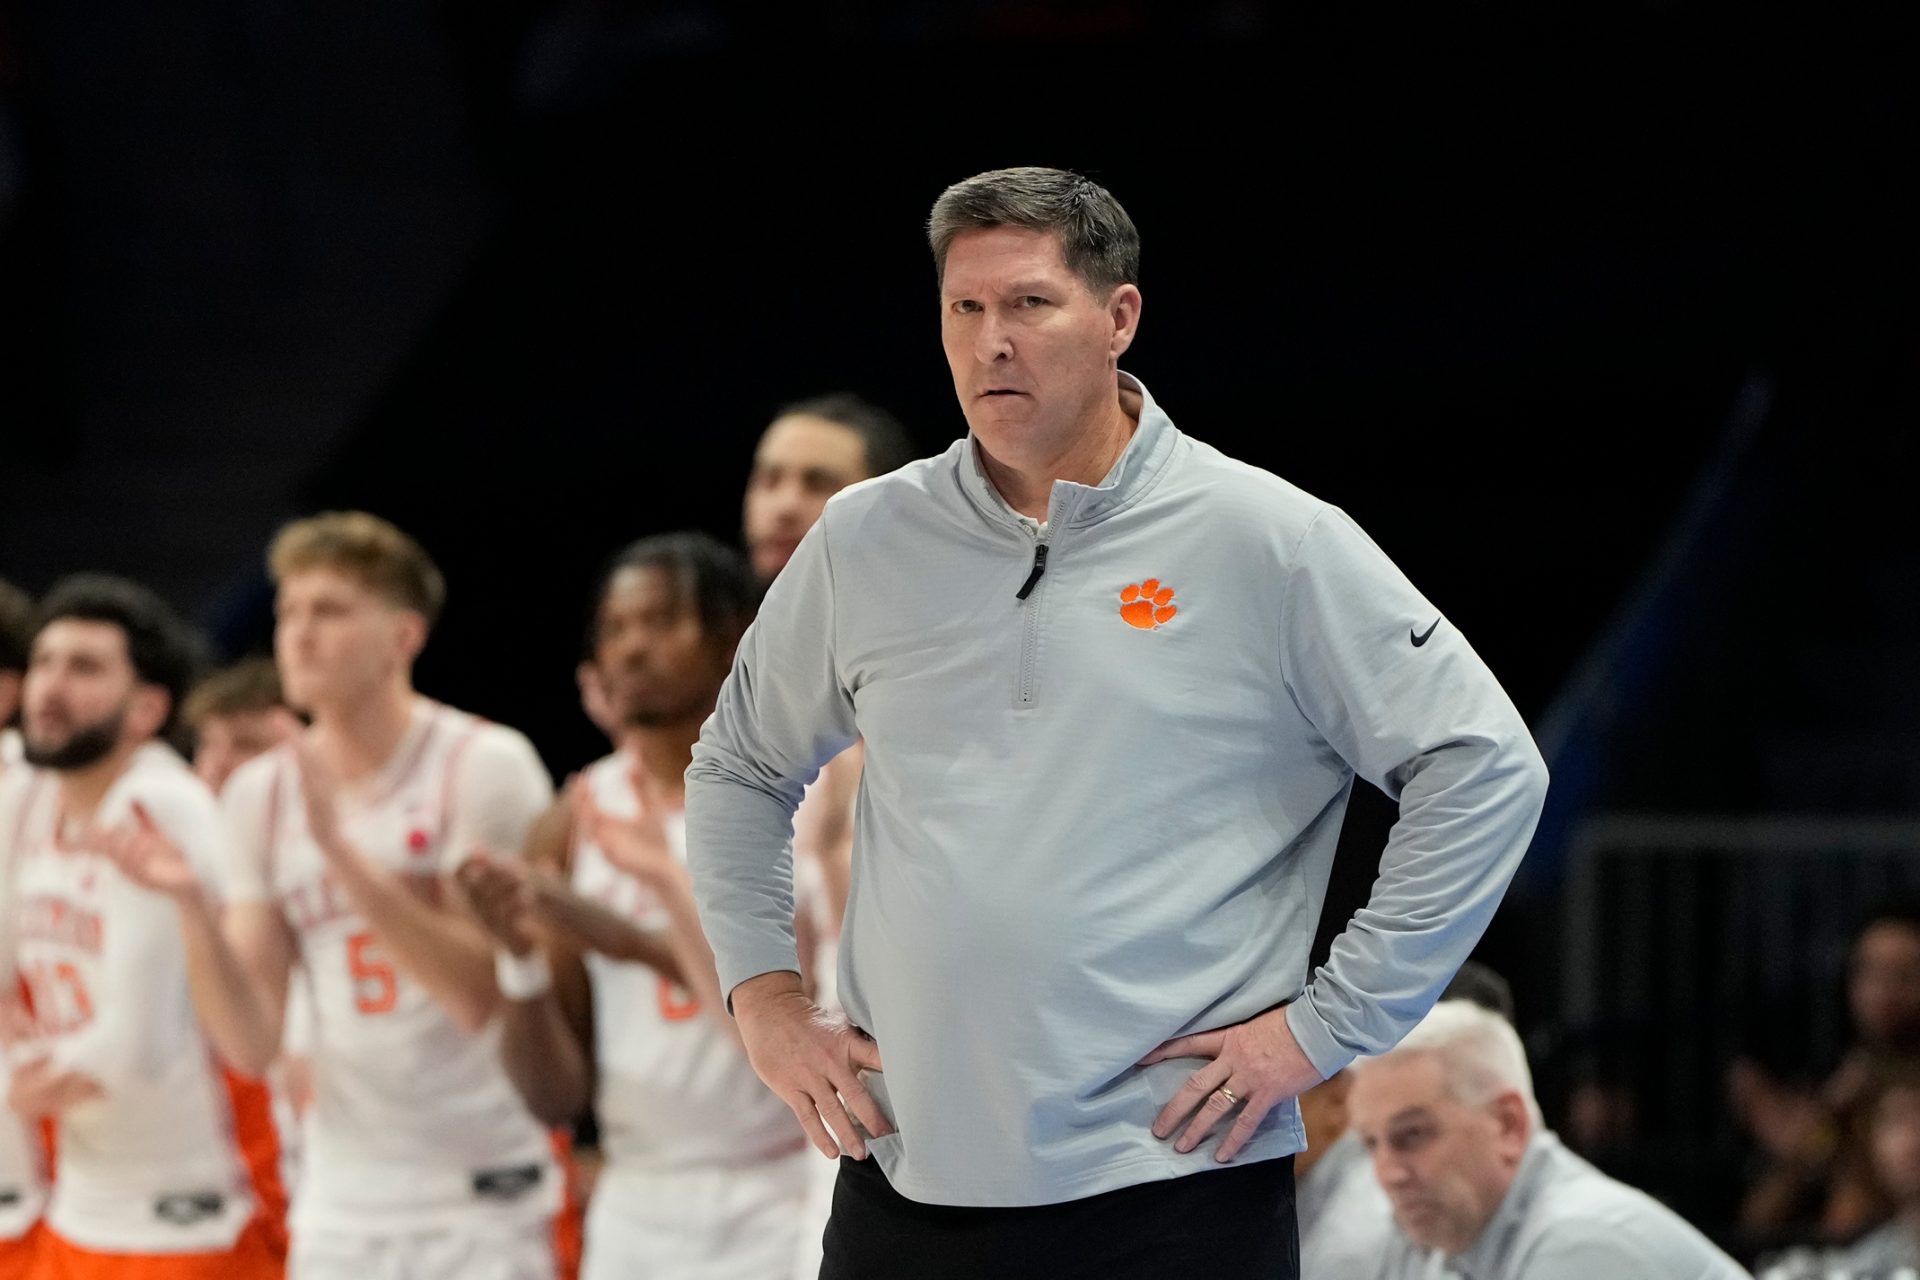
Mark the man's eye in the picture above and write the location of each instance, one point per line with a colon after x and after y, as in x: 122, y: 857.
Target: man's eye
x: 966, y: 306
x: 1032, y: 301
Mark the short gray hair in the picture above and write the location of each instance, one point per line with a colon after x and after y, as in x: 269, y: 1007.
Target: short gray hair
x: 1097, y: 238
x: 1478, y: 1049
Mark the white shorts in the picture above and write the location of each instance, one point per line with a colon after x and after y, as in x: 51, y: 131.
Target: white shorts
x: 487, y: 1253
x: 695, y: 1224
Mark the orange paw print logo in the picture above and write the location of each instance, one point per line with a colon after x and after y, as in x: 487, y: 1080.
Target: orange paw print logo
x: 1147, y: 605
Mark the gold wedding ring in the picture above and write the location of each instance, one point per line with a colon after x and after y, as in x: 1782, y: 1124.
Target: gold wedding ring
x: 1228, y: 1094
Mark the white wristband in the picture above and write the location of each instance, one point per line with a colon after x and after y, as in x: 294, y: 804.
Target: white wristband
x: 522, y: 977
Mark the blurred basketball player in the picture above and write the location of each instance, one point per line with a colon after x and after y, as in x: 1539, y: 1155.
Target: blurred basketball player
x: 235, y: 715
x: 22, y: 1177
x: 420, y: 1162
x: 166, y: 1164
x: 702, y: 1179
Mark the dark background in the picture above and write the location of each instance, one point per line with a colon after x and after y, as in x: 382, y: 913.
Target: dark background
x: 1561, y: 307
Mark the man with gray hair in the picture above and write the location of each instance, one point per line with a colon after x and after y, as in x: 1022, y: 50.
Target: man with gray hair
x: 1114, y: 689
x: 1481, y: 1189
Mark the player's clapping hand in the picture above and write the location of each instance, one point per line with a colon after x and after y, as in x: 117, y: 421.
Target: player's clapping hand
x: 1256, y: 1065
x: 502, y: 899
x: 39, y: 1089
x: 637, y: 845
x: 320, y: 794
x: 146, y: 856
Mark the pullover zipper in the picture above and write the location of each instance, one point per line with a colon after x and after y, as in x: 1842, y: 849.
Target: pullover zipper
x: 1039, y: 567
x: 1030, y: 625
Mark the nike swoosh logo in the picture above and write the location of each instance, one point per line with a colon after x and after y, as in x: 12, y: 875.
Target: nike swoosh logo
x: 1422, y: 639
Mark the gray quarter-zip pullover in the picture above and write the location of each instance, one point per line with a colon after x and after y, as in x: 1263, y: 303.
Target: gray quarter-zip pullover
x: 1100, y: 806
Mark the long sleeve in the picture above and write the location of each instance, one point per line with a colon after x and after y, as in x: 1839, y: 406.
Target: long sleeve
x: 782, y: 714
x: 1411, y: 708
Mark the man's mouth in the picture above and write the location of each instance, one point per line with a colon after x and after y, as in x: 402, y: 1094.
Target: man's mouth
x: 1002, y: 391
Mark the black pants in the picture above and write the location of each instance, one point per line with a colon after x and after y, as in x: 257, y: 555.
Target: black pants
x: 1228, y: 1222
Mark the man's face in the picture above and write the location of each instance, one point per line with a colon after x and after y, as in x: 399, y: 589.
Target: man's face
x: 1032, y: 350
x: 336, y: 640
x: 801, y: 462
x: 82, y: 696
x: 1883, y: 984
x: 225, y: 742
x: 653, y: 661
x: 1445, y: 1165
x: 1896, y: 1145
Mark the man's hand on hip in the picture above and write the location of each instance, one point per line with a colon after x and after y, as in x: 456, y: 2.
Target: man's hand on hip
x: 1256, y: 1066
x: 811, y: 1059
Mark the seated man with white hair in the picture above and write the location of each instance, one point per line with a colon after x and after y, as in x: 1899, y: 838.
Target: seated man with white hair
x: 1481, y: 1189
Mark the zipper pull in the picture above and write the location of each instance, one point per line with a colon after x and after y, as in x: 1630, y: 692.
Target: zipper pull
x: 1039, y: 567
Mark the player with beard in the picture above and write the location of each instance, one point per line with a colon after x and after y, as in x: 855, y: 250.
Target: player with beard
x: 22, y: 1178
x: 167, y: 1166
x: 419, y: 1160
x: 703, y: 1178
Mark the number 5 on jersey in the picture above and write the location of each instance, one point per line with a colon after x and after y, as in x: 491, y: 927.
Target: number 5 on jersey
x: 376, y: 986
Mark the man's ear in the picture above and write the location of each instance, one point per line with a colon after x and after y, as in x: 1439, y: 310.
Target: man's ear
x: 1513, y: 1119
x: 413, y: 634
x: 148, y: 710
x: 1123, y: 308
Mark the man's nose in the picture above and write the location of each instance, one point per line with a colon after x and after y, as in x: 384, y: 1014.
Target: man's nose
x: 631, y: 649
x: 993, y: 342
x: 787, y: 497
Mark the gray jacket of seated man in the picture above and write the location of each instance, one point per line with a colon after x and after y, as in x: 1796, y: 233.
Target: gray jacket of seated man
x: 1345, y: 1219
x: 1562, y: 1219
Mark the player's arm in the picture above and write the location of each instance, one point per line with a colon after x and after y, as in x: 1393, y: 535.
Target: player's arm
x: 435, y: 946
x: 498, y: 790
x: 546, y: 1024
x: 639, y: 846
x: 238, y: 956
x: 587, y: 924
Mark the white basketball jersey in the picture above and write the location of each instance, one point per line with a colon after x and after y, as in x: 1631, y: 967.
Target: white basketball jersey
x: 23, y: 1183
x: 153, y: 1166
x: 674, y: 1088
x: 414, y: 1125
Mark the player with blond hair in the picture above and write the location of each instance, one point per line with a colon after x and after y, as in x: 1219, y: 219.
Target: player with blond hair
x: 419, y: 1159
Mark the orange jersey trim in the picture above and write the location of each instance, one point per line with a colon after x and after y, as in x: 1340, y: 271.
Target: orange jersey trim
x: 250, y: 1103
x: 19, y: 1259
x: 569, y: 1231
x: 253, y: 1257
